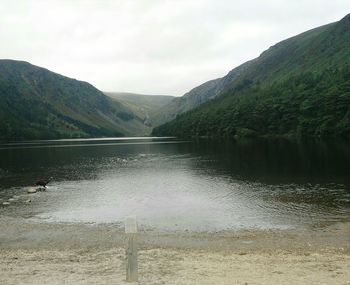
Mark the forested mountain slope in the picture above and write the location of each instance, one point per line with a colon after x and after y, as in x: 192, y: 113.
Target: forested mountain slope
x: 36, y: 103
x: 300, y: 86
x: 194, y: 98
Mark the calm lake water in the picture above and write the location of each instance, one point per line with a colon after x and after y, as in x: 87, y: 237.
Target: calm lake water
x: 179, y: 185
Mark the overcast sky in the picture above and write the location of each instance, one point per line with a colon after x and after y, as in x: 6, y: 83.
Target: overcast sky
x: 152, y: 46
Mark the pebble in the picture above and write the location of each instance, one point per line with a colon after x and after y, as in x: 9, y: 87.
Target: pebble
x: 32, y: 190
x: 11, y: 200
x: 28, y: 201
x: 6, y: 203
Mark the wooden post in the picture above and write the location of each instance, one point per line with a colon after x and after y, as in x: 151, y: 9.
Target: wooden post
x: 131, y: 251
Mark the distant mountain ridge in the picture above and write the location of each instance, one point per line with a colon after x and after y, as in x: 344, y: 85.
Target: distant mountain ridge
x: 300, y: 86
x: 36, y: 103
x: 144, y: 106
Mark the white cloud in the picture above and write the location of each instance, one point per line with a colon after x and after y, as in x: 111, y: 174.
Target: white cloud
x: 152, y: 46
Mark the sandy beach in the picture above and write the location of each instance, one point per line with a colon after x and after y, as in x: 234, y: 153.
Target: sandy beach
x: 40, y: 253
x: 173, y: 266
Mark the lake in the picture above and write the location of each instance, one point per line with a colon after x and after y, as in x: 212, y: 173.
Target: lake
x: 178, y: 185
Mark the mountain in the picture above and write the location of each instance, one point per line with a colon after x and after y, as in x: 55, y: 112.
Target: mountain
x: 197, y: 96
x: 36, y: 103
x: 144, y: 106
x: 298, y: 87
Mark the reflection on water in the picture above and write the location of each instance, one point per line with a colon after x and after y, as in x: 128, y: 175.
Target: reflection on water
x: 177, y: 185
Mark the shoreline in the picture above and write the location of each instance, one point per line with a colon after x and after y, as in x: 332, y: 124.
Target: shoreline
x: 43, y: 253
x: 22, y: 233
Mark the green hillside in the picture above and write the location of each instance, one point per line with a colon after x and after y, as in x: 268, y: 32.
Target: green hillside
x: 195, y: 97
x: 144, y: 106
x: 36, y: 103
x: 299, y: 87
